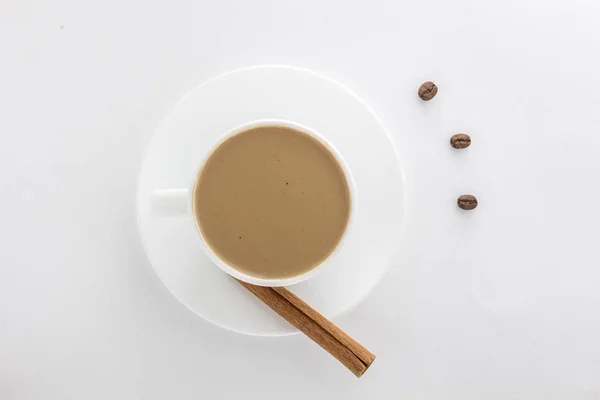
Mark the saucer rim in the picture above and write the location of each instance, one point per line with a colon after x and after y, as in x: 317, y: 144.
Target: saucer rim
x: 169, y: 116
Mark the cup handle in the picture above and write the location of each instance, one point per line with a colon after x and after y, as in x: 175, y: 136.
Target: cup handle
x: 169, y: 202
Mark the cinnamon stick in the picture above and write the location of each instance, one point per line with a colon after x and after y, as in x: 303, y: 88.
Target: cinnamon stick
x: 322, y: 331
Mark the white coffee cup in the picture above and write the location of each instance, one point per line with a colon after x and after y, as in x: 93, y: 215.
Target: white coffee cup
x: 179, y: 202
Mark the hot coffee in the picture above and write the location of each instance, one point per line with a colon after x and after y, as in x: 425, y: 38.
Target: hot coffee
x: 272, y: 202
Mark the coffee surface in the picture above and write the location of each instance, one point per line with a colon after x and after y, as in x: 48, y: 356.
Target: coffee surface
x: 272, y: 202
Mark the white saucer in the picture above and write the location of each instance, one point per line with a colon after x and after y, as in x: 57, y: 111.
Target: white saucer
x: 229, y: 100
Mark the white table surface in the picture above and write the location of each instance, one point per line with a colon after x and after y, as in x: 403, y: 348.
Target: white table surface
x: 499, y: 303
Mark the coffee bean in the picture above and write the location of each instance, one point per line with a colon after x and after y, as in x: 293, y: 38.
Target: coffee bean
x: 427, y: 91
x: 467, y: 202
x: 460, y: 141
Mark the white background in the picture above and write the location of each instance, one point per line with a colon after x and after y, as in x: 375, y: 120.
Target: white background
x: 499, y: 303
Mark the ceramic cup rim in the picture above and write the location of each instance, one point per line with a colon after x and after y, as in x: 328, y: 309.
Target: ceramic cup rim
x: 274, y: 281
